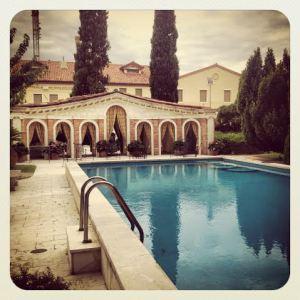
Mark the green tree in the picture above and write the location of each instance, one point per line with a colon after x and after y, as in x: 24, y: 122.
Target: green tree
x: 269, y: 63
x: 228, y: 119
x: 91, y: 57
x: 260, y: 108
x: 22, y: 73
x: 248, y: 95
x: 274, y: 110
x: 164, y: 63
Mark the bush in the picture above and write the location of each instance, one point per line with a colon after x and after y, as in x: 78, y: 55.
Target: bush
x: 237, y: 137
x: 136, y: 148
x: 102, y: 146
x: 20, y: 149
x: 178, y: 145
x: 231, y: 143
x: 228, y: 119
x: 286, y: 152
x: 38, y: 280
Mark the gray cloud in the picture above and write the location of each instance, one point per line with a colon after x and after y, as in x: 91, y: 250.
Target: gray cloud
x: 205, y: 37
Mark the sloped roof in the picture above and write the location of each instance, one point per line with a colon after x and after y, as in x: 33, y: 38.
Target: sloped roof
x: 210, y: 67
x: 58, y: 71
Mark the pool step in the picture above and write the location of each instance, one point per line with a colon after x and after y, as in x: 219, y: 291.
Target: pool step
x: 83, y: 257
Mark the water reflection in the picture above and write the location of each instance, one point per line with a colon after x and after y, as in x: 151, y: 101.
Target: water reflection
x: 190, y: 208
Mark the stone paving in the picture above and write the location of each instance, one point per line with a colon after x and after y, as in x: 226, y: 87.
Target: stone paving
x: 41, y: 208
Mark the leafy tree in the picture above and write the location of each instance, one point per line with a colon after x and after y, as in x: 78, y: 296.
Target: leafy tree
x: 22, y: 74
x: 91, y: 57
x: 164, y: 63
x: 248, y: 95
x: 228, y: 118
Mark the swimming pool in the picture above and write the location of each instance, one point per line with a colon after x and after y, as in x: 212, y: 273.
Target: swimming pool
x: 209, y: 224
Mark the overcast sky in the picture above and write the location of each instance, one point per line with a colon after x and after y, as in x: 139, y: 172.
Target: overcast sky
x: 205, y: 37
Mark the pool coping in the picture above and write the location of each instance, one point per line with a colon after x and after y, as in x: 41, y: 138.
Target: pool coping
x: 126, y: 264
x: 275, y: 168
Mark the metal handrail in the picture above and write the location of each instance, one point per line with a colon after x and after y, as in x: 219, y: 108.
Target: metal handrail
x: 133, y: 221
x: 82, y: 196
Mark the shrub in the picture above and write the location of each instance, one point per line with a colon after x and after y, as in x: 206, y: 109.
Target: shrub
x: 178, y: 145
x: 20, y: 149
x: 38, y: 280
x: 286, y: 152
x: 102, y: 146
x: 231, y: 143
x: 237, y: 137
x: 136, y: 148
x: 228, y: 119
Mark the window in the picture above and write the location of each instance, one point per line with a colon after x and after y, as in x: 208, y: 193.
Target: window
x: 133, y: 70
x: 180, y: 95
x: 203, y: 95
x: 123, y: 90
x: 139, y: 92
x: 37, y: 98
x: 227, y: 95
x: 53, y: 97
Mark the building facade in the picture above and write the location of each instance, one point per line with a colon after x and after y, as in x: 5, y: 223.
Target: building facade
x: 213, y: 86
x: 156, y: 123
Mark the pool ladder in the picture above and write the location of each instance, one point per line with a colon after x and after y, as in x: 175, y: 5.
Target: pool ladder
x: 84, y: 206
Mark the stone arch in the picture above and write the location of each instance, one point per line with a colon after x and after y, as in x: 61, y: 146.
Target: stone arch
x: 116, y: 121
x: 198, y: 135
x: 170, y: 124
x: 70, y: 139
x: 43, y: 123
x: 137, y: 127
x: 96, y: 130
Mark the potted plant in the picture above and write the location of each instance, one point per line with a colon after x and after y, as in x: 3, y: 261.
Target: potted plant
x: 178, y: 147
x: 21, y: 151
x: 136, y: 149
x: 102, y: 148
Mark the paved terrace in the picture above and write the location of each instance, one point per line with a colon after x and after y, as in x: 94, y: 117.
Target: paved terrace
x: 41, y: 208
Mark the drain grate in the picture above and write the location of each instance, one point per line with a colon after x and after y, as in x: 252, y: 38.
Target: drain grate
x: 40, y: 250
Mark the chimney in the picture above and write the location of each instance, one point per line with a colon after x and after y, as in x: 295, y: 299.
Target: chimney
x: 63, y: 64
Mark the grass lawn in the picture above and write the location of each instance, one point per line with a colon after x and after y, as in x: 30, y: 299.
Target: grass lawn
x: 26, y: 168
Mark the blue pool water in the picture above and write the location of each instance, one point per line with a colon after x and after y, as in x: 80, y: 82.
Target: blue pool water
x: 209, y: 225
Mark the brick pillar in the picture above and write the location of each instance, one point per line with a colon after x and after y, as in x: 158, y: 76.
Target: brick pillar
x: 132, y: 130
x: 204, y: 146
x: 179, y: 128
x: 24, y: 123
x: 76, y: 123
x: 101, y: 129
x: 50, y: 124
x: 155, y: 136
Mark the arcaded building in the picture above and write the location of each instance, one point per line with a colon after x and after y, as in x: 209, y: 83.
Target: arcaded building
x: 89, y: 119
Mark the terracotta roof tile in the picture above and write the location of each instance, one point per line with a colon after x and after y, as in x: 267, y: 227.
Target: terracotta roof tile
x: 58, y: 71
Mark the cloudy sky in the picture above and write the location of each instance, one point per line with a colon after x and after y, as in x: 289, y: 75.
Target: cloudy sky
x: 205, y: 37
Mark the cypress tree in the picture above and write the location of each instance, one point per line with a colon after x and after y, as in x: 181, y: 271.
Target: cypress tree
x: 261, y: 106
x: 91, y: 57
x: 274, y: 96
x: 269, y: 62
x: 164, y: 63
x: 248, y: 95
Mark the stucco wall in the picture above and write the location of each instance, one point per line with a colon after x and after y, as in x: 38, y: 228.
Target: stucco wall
x: 64, y: 90
x: 193, y: 83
